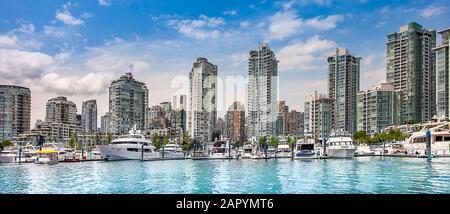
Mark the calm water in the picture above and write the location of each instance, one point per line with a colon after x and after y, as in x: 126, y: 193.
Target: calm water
x: 360, y: 175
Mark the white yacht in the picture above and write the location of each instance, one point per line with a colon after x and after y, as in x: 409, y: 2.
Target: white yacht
x: 247, y: 151
x: 220, y: 150
x: 305, y: 149
x: 340, y: 147
x: 172, y: 150
x: 133, y: 146
x: 440, y: 141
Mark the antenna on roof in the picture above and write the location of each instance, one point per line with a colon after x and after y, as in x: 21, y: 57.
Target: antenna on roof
x: 131, y: 66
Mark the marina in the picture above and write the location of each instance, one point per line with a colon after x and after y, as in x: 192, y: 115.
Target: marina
x: 281, y: 175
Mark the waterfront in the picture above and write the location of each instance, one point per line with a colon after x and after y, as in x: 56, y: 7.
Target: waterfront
x: 358, y: 175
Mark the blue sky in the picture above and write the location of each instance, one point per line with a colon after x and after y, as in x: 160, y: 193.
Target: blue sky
x: 75, y: 48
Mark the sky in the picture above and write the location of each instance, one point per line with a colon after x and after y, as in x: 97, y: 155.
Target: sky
x: 76, y: 48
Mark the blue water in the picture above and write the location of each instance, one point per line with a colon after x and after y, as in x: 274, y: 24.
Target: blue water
x: 360, y: 175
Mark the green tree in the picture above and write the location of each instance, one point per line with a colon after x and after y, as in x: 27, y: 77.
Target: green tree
x: 73, y: 141
x: 215, y: 135
x: 292, y: 141
x: 262, y: 142
x: 5, y: 143
x: 108, y: 138
x: 274, y: 142
x: 187, y: 142
x: 360, y: 137
x: 156, y: 141
x: 97, y: 139
x: 165, y: 141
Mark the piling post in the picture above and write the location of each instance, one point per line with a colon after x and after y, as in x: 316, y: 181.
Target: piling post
x: 142, y: 151
x: 428, y: 144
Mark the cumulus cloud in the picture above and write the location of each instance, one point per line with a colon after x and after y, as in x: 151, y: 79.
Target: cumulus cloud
x: 66, y: 17
x: 91, y: 83
x: 432, y: 10
x: 230, y: 12
x: 305, y: 55
x: 104, y: 2
x: 202, y: 28
x: 19, y: 65
x: 7, y: 41
x: 244, y: 24
x: 115, y: 63
x: 284, y: 24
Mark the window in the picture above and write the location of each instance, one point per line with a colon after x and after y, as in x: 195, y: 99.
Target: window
x: 132, y: 149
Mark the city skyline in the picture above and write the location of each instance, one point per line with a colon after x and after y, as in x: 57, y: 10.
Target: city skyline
x: 38, y: 43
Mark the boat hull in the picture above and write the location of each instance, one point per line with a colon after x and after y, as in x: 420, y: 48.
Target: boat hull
x: 115, y: 153
x: 341, y: 153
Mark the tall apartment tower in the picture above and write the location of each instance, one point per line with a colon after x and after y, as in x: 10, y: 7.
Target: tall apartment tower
x: 61, y: 110
x: 105, y: 123
x: 128, y: 104
x: 235, y: 122
x: 15, y: 111
x: 202, y: 115
x: 343, y: 84
x: 409, y: 66
x: 282, y: 118
x: 442, y: 75
x: 179, y: 101
x: 262, y: 92
x: 378, y: 108
x: 89, y: 116
x: 318, y: 115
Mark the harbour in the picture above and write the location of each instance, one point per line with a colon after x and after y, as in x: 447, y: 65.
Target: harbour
x: 276, y: 175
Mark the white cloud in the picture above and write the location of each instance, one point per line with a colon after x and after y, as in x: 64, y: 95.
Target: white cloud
x: 13, y: 42
x: 432, y: 10
x: 86, y: 15
x: 326, y: 23
x: 8, y: 41
x: 317, y: 2
x: 284, y: 24
x: 373, y: 77
x: 104, y: 2
x: 115, y: 63
x: 55, y: 32
x: 89, y: 84
x: 26, y: 28
x: 202, y: 28
x: 230, y: 12
x: 244, y: 24
x: 62, y: 56
x: 21, y: 65
x: 67, y: 18
x: 304, y: 56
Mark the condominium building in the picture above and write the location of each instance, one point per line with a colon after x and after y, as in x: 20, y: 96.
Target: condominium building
x: 61, y: 110
x: 343, y: 84
x: 282, y: 118
x: 105, y: 123
x: 178, y: 119
x: 409, y: 63
x: 295, y: 123
x: 128, y: 104
x: 179, y: 101
x: 318, y: 115
x: 378, y: 108
x: 89, y: 116
x: 442, y: 73
x: 235, y: 122
x: 15, y: 111
x: 166, y: 106
x: 262, y: 92
x: 202, y: 114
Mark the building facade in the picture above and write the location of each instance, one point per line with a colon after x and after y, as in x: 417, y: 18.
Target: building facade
x: 409, y: 66
x: 295, y: 123
x: 343, y: 84
x: 15, y: 111
x: 89, y: 116
x: 179, y: 101
x: 61, y: 110
x: 128, y: 104
x: 442, y: 58
x: 105, y: 123
x: 282, y: 118
x: 378, y: 108
x: 262, y: 92
x: 318, y: 115
x: 202, y: 114
x: 235, y: 122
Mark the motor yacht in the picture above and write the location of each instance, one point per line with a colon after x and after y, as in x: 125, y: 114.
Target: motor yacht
x: 306, y: 149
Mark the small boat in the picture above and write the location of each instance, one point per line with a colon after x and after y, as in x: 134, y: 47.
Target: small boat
x: 220, y: 150
x: 200, y: 155
x: 47, y: 156
x: 340, y: 147
x: 247, y: 151
x: 172, y: 150
x: 305, y: 149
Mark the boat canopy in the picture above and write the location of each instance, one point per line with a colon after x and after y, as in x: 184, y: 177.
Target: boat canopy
x: 47, y: 151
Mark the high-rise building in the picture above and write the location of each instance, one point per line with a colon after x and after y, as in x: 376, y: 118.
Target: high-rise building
x: 318, y: 115
x: 202, y: 114
x: 262, y: 92
x: 442, y: 75
x: 15, y: 111
x: 378, y: 108
x: 295, y: 123
x: 105, y: 123
x: 166, y: 106
x: 409, y: 63
x: 282, y: 118
x: 235, y: 122
x: 178, y: 119
x: 61, y: 110
x: 179, y: 101
x: 128, y: 104
x: 343, y: 84
x: 89, y: 116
